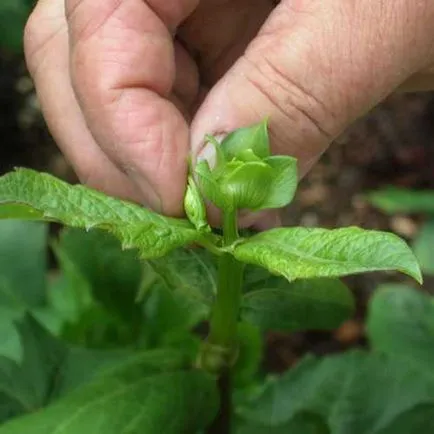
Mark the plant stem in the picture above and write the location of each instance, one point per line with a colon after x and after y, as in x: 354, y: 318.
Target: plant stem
x: 223, y: 422
x: 224, y: 321
x: 224, y: 318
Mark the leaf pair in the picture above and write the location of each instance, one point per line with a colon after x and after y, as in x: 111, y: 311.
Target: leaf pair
x: 291, y: 252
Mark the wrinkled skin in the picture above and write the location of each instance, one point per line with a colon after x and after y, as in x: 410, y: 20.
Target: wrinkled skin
x: 130, y: 87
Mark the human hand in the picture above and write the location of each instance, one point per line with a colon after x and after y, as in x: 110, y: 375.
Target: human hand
x: 118, y: 92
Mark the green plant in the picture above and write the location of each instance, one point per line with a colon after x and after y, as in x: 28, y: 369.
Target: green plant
x: 393, y: 200
x: 113, y: 343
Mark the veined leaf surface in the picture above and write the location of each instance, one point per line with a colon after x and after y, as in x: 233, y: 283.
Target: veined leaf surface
x: 40, y: 196
x: 302, y: 253
x: 155, y: 392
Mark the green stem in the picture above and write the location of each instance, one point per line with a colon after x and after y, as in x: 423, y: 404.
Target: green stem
x: 224, y: 323
x: 224, y: 318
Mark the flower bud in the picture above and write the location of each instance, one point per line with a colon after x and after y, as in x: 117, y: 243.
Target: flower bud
x: 245, y: 175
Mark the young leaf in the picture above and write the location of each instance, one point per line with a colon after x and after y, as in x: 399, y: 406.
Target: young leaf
x: 393, y: 200
x: 254, y: 137
x: 284, y: 182
x: 209, y: 186
x: 139, y: 397
x: 247, y: 184
x: 43, y: 197
x: 195, y: 207
x: 401, y: 324
x: 423, y: 247
x: 355, y: 393
x: 301, y: 253
x: 310, y: 304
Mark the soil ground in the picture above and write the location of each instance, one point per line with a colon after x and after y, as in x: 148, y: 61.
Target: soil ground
x: 392, y: 145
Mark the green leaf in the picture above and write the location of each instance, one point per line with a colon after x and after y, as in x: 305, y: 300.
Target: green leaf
x: 301, y: 253
x: 46, y: 370
x: 310, y: 304
x: 247, y: 185
x: 355, y: 393
x: 250, y: 350
x: 401, y: 324
x: 302, y: 423
x: 169, y: 317
x: 113, y: 275
x: 209, y: 187
x: 284, y: 182
x: 423, y: 247
x: 23, y: 259
x: 195, y: 207
x: 28, y: 383
x: 254, y: 137
x: 43, y: 197
x: 11, y: 309
x: 191, y: 273
x: 141, y: 397
x: 419, y: 419
x: 394, y: 200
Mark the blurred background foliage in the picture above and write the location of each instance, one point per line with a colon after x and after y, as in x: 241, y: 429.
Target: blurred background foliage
x: 13, y: 16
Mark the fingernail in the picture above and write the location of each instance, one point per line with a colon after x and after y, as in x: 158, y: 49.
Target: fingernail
x: 208, y: 153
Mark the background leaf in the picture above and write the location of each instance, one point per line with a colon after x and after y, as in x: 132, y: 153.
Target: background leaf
x: 40, y: 196
x: 250, y: 351
x: 302, y: 423
x: 394, y: 200
x: 48, y: 369
x: 140, y: 397
x: 188, y: 272
x: 355, y: 393
x: 23, y: 264
x: 149, y: 303
x: 310, y: 304
x: 401, y: 324
x: 114, y: 277
x: 423, y: 247
x: 23, y: 259
x: 301, y: 253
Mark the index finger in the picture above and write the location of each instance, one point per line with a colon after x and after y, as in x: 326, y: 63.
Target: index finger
x: 123, y: 69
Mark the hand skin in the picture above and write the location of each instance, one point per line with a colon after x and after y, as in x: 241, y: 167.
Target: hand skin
x: 130, y: 87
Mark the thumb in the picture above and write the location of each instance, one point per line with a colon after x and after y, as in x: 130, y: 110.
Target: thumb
x: 313, y: 69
